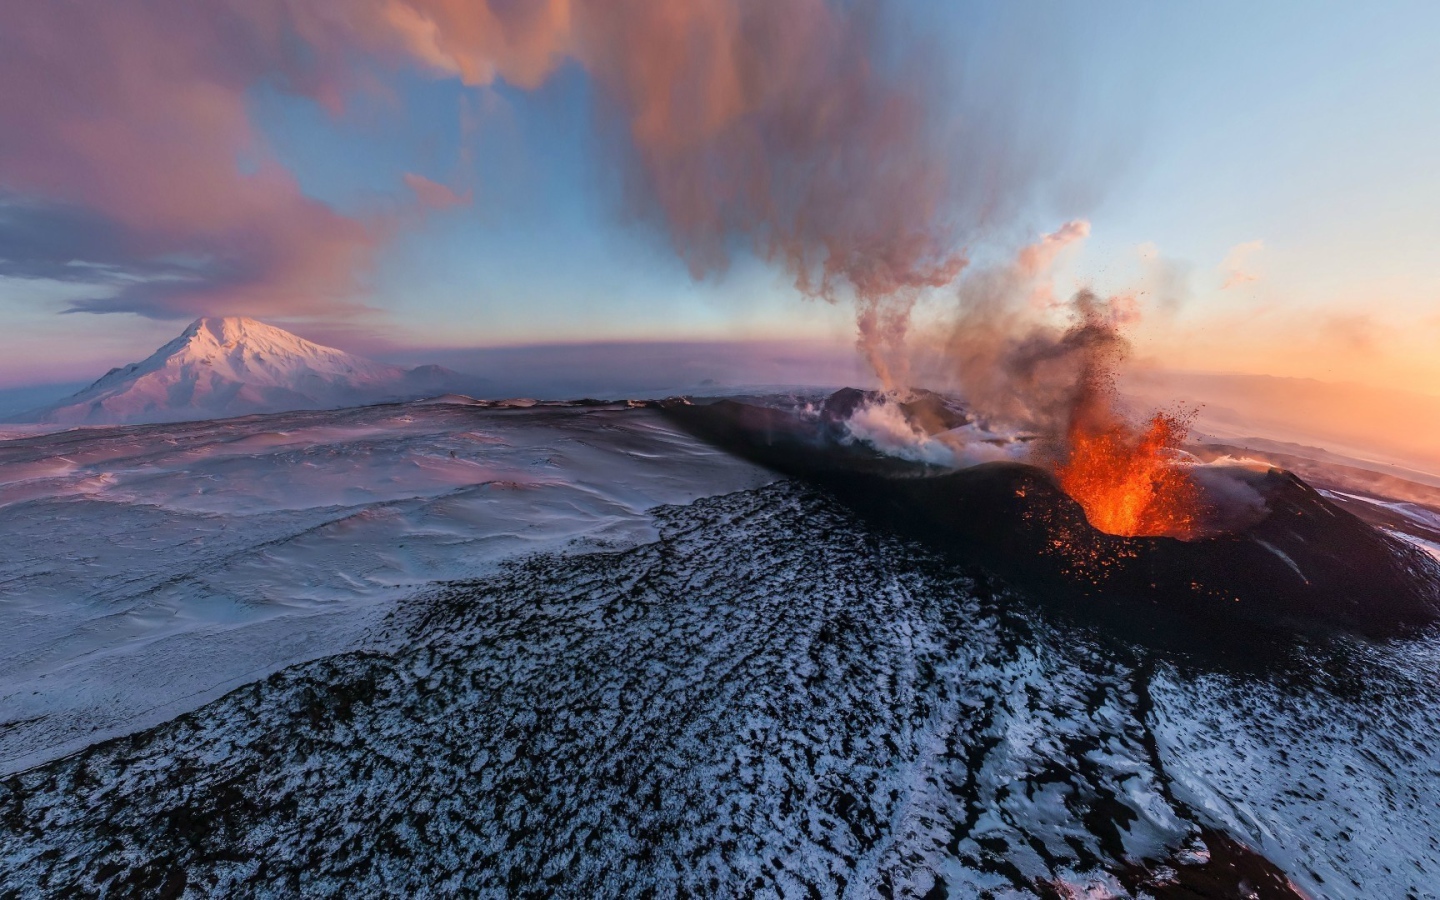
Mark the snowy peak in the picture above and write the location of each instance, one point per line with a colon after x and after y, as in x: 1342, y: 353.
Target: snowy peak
x: 252, y: 352
x: 229, y: 366
x: 249, y: 350
x: 244, y: 343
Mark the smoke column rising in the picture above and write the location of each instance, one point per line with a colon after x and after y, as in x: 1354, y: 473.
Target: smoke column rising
x: 781, y: 128
x: 767, y: 123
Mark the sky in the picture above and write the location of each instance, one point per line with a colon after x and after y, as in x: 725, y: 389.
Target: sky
x: 395, y: 175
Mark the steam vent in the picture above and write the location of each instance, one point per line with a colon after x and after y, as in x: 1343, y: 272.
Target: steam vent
x: 1287, y: 562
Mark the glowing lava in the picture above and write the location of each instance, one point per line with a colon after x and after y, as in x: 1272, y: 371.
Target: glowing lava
x: 1128, y: 480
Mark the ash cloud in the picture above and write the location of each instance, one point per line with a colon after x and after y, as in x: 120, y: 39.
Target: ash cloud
x: 785, y: 128
x: 1015, y: 350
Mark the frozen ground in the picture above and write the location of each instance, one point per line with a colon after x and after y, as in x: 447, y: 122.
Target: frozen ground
x: 744, y: 690
x: 148, y: 569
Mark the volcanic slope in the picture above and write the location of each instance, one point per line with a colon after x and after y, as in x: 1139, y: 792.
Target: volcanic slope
x: 150, y: 569
x: 237, y: 366
x: 768, y: 699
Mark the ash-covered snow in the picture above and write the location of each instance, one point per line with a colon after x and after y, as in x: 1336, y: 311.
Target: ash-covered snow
x: 766, y: 699
x: 1330, y: 767
x: 744, y: 692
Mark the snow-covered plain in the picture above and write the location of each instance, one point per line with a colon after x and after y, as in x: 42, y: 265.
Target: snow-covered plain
x: 148, y: 569
x: 569, y: 651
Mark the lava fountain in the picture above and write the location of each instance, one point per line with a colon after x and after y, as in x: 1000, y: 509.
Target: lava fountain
x: 1129, y: 480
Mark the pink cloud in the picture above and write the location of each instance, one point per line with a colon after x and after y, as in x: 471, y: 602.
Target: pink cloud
x: 136, y: 112
x: 767, y: 121
x: 433, y: 194
x: 1236, y: 266
x: 763, y: 119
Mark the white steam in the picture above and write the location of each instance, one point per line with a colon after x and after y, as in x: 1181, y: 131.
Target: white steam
x: 884, y: 426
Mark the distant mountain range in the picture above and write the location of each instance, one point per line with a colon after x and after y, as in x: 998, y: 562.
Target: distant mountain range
x: 236, y: 366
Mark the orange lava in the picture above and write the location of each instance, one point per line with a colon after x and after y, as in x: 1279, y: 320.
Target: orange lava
x: 1127, y: 480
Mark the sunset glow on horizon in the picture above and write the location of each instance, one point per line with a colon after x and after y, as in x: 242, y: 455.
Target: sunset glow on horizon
x: 841, y: 448
x: 389, y: 176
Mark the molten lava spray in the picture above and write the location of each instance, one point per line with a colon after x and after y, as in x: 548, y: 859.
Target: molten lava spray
x: 1013, y: 361
x: 1129, y: 479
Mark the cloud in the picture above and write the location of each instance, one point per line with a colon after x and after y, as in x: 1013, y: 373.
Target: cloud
x: 768, y: 121
x: 69, y: 244
x: 1164, y: 282
x: 434, y: 195
x: 1036, y: 259
x: 774, y: 122
x: 1236, y: 265
x: 132, y: 117
x: 482, y: 40
x: 782, y: 127
x: 1355, y: 333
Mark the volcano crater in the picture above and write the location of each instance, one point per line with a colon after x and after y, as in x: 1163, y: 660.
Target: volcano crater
x: 1279, y: 562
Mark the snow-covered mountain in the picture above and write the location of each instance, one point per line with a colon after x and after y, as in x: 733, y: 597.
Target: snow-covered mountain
x: 235, y: 366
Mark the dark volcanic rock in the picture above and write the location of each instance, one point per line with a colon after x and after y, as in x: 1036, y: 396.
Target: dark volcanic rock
x: 841, y: 405
x: 1306, y: 565
x: 932, y: 413
x: 926, y: 411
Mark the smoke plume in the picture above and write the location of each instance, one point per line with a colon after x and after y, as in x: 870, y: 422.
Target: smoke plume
x: 1012, y: 348
x: 767, y: 123
x: 771, y: 125
x: 1024, y: 359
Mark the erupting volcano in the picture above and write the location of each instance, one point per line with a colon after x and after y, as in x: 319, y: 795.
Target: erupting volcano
x: 1109, y: 521
x: 1128, y: 480
x: 1131, y: 479
x: 1035, y: 471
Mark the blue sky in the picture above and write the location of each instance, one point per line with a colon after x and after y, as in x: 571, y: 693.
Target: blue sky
x: 1180, y: 131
